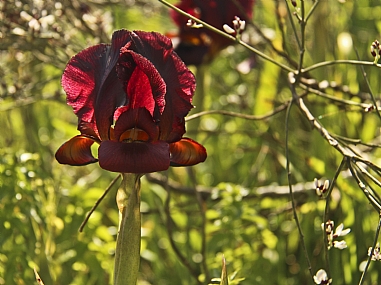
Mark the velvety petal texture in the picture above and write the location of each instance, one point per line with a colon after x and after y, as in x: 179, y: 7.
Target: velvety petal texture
x: 198, y: 46
x: 131, y: 97
x: 135, y: 157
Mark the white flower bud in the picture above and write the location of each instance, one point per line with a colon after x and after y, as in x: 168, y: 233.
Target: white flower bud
x: 228, y: 29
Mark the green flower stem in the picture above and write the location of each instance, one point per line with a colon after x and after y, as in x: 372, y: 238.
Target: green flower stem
x: 127, y: 253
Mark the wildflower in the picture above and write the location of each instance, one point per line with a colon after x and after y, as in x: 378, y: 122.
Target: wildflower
x: 194, y: 24
x: 321, y: 277
x: 321, y: 188
x: 375, y: 50
x: 339, y: 244
x: 339, y: 232
x: 239, y: 26
x: 376, y: 252
x: 228, y: 29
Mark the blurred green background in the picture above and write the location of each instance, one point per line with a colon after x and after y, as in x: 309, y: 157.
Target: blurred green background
x: 234, y: 203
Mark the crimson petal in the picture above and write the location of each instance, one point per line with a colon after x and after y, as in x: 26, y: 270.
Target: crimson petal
x: 145, y: 86
x: 76, y: 151
x: 79, y: 82
x: 135, y: 157
x: 186, y: 152
x: 179, y: 80
x: 92, y: 86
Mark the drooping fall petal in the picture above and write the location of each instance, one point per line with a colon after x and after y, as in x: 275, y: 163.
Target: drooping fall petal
x: 186, y: 152
x: 76, y: 151
x: 135, y: 157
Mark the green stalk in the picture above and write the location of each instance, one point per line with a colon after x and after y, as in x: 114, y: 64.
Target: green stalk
x: 127, y: 253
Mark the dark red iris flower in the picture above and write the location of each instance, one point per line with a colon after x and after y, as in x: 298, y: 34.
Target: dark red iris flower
x: 199, y: 45
x: 131, y: 97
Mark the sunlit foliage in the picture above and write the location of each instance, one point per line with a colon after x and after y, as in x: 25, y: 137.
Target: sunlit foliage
x: 237, y: 203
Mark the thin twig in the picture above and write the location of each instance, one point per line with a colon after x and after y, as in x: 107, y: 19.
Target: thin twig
x: 340, y: 61
x: 368, y: 85
x: 326, y: 211
x: 273, y: 191
x: 301, y: 235
x: 98, y: 202
x: 371, y: 252
x: 202, y: 206
x: 38, y: 278
x: 177, y: 251
x: 356, y: 141
x: 332, y: 98
x: 363, y: 187
x: 312, y: 10
x: 290, y: 15
x: 240, y: 115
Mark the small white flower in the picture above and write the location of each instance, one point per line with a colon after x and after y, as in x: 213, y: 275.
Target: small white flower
x: 238, y: 27
x: 193, y: 24
x: 321, y: 188
x: 239, y: 24
x: 329, y: 227
x: 228, y: 29
x: 340, y: 232
x: 340, y: 244
x: 242, y: 25
x: 376, y: 252
x: 292, y: 80
x: 321, y: 277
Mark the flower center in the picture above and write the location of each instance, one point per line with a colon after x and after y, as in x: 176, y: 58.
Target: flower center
x: 134, y: 135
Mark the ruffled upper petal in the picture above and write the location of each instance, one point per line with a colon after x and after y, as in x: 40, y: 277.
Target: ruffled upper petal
x: 80, y: 81
x: 135, y: 157
x: 186, y: 152
x: 76, y: 151
x: 92, y: 85
x: 179, y: 80
x: 143, y: 84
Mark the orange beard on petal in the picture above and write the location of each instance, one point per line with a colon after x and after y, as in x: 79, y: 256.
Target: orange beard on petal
x: 133, y: 135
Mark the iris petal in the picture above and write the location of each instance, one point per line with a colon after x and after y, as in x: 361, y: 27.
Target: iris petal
x: 76, y: 151
x: 179, y: 80
x: 79, y: 82
x: 136, y: 118
x: 135, y: 157
x: 145, y: 86
x: 186, y: 152
x: 92, y: 86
